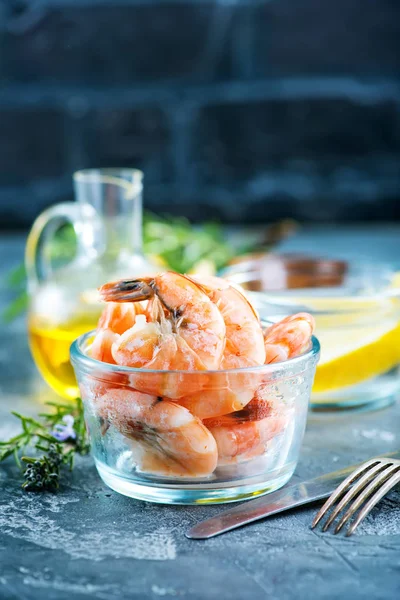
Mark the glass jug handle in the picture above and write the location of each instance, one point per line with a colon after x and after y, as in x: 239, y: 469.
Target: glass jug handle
x: 37, y: 262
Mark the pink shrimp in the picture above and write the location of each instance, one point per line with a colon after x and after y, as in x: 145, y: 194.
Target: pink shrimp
x: 101, y: 345
x: 166, y: 438
x: 283, y: 340
x: 119, y: 317
x: 192, y: 319
x: 243, y: 441
x: 114, y: 320
x: 244, y: 434
x: 288, y: 338
x: 227, y: 392
x: 244, y: 338
x: 186, y: 332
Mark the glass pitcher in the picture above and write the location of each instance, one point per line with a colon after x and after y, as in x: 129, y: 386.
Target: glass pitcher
x: 107, y: 220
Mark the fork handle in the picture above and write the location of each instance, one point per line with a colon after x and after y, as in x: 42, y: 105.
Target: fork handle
x: 272, y: 504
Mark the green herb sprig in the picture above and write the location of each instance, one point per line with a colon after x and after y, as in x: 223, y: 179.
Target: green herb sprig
x: 55, y: 437
x: 174, y: 241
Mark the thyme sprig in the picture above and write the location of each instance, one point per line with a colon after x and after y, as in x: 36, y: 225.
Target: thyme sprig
x: 55, y: 438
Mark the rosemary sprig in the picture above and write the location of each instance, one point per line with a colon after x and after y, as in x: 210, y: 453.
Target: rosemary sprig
x: 56, y: 437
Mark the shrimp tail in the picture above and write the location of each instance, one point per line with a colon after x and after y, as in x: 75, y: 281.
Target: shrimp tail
x: 127, y: 290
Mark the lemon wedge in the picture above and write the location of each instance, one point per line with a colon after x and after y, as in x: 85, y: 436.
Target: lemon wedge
x: 359, y: 336
x: 358, y: 352
x: 352, y: 355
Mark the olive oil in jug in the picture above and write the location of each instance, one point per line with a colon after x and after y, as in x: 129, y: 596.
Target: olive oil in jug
x: 107, y: 220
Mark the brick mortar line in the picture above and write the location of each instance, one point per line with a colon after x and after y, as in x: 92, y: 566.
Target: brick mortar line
x: 39, y: 4
x: 45, y: 6
x: 202, y: 95
x: 284, y: 179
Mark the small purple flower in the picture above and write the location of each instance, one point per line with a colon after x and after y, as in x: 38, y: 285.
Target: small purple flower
x: 62, y: 433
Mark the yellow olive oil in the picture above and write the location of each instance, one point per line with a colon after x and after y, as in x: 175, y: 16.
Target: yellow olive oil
x: 50, y: 346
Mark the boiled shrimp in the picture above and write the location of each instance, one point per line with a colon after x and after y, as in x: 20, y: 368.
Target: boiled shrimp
x: 288, y: 338
x: 245, y: 434
x: 183, y: 310
x: 283, y: 340
x: 166, y: 438
x: 102, y: 344
x: 228, y: 392
x: 119, y: 317
x: 239, y: 441
x: 244, y: 338
x: 183, y: 331
x: 114, y: 320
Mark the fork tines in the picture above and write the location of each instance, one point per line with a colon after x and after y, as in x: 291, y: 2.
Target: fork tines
x: 378, y: 475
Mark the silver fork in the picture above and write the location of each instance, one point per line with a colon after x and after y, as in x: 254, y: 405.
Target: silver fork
x: 378, y: 475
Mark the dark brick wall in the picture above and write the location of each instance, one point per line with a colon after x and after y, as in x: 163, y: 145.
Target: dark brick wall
x: 244, y: 110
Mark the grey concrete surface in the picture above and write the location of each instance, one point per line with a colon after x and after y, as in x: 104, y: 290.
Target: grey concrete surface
x: 88, y: 542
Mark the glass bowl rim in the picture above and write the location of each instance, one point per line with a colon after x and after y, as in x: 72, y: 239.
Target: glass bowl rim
x: 79, y: 358
x: 356, y: 306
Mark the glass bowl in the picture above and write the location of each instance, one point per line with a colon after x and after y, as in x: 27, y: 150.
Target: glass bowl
x: 154, y: 449
x: 356, y: 306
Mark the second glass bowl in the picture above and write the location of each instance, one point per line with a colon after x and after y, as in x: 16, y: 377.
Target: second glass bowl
x: 154, y: 449
x: 356, y: 305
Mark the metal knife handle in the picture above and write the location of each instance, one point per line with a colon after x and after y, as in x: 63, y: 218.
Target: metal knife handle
x: 271, y: 504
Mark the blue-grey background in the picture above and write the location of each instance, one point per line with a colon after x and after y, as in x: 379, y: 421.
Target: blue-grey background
x: 243, y: 110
